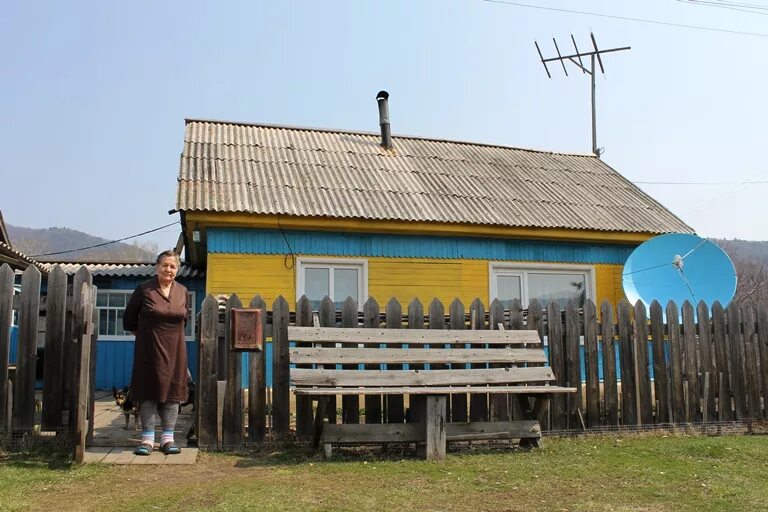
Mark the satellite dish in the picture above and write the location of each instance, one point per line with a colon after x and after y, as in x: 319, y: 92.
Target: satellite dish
x: 679, y: 267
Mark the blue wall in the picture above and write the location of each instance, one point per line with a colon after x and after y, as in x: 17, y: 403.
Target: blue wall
x: 258, y: 241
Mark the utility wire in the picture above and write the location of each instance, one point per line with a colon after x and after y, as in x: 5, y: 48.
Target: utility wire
x: 104, y: 243
x: 625, y: 18
x: 731, y: 7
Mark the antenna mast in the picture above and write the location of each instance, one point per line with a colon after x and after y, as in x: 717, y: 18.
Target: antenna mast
x: 593, y: 55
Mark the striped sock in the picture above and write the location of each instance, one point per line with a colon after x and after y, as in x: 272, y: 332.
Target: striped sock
x: 148, y: 437
x: 166, y: 437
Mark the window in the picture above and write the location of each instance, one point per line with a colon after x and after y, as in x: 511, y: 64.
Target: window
x: 111, y: 305
x: 336, y: 278
x: 542, y: 282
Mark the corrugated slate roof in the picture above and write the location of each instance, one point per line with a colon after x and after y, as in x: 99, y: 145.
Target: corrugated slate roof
x: 123, y: 269
x: 18, y: 260
x: 231, y: 167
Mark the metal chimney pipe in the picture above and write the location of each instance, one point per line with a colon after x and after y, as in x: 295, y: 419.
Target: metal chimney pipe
x: 386, y: 135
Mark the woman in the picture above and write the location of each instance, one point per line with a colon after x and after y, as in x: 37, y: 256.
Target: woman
x: 156, y: 314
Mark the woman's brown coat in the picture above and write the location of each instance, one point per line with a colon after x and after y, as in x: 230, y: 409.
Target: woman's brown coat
x: 160, y: 352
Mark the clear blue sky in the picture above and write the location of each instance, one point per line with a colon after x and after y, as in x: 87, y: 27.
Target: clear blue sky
x: 93, y: 95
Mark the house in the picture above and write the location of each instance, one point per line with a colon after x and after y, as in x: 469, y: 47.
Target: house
x: 115, y: 282
x: 281, y: 210
x: 15, y: 259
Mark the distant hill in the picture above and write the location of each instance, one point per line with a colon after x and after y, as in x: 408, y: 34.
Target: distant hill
x: 744, y: 250
x: 33, y: 242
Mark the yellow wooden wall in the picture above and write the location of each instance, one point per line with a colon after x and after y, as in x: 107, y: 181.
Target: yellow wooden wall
x: 402, y: 278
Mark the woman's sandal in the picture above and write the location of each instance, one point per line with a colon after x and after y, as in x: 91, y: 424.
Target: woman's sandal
x: 170, y: 448
x: 143, y: 449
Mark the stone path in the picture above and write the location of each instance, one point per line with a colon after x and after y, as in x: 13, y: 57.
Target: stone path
x: 113, y: 444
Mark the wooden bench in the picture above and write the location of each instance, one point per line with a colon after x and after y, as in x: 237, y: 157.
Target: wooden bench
x: 512, y: 362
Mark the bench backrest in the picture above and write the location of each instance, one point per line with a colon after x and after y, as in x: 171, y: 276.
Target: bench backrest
x: 476, y: 358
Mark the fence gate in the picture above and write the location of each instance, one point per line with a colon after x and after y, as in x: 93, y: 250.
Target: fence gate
x: 66, y: 400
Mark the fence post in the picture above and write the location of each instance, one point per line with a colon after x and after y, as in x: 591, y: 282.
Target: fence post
x: 724, y: 406
x: 73, y: 343
x: 676, y: 370
x: 660, y: 366
x: 691, y: 362
x: 6, y: 320
x: 81, y: 389
x: 591, y: 364
x: 281, y: 393
x: 257, y: 381
x: 327, y: 318
x: 478, y: 403
x: 304, y: 419
x: 642, y: 372
x: 751, y: 363
x: 458, y: 400
x: 762, y: 339
x: 707, y: 361
x: 416, y: 403
x: 610, y: 387
x: 372, y: 402
x: 24, y: 385
x: 232, y: 420
x: 737, y: 361
x: 350, y: 404
x: 206, y: 400
x: 573, y: 362
x: 395, y: 404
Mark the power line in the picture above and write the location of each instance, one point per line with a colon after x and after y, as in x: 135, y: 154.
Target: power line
x: 726, y: 5
x: 104, y: 243
x: 625, y: 18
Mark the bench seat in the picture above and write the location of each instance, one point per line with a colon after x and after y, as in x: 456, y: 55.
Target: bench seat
x: 490, y: 362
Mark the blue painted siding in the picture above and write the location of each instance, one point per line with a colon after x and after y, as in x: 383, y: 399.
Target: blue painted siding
x: 14, y: 343
x: 259, y: 241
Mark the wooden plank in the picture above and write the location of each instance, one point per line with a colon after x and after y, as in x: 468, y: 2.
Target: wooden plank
x: 437, y: 321
x: 517, y: 323
x: 206, y: 404
x: 644, y: 396
x: 610, y: 387
x: 81, y: 389
x: 725, y: 407
x: 572, y: 339
x: 458, y: 410
x: 327, y: 318
x: 414, y: 336
x: 478, y: 404
x: 72, y: 347
x: 373, y: 403
x: 232, y: 420
x: 395, y: 407
x: 460, y: 356
x: 736, y: 347
x: 350, y: 405
x: 591, y: 364
x: 92, y: 372
x: 416, y: 404
x: 476, y: 376
x: 257, y: 383
x: 690, y: 361
x: 499, y: 404
x: 707, y: 359
x: 660, y: 367
x: 751, y: 363
x: 557, y: 363
x: 676, y: 364
x: 304, y: 417
x: 23, y: 417
x: 627, y: 358
x: 412, y: 432
x: 433, y: 390
x: 435, y: 427
x: 762, y: 340
x: 280, y: 372
x: 6, y: 319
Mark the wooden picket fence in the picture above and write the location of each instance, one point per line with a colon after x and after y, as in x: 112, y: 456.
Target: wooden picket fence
x: 66, y: 399
x: 710, y: 367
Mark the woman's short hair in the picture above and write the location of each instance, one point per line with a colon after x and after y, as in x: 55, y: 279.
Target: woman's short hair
x: 168, y: 254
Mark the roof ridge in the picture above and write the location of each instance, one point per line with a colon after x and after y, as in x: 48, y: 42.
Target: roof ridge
x: 376, y: 134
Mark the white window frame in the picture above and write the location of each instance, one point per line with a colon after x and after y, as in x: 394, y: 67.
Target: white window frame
x: 360, y: 264
x: 523, y: 269
x: 129, y: 337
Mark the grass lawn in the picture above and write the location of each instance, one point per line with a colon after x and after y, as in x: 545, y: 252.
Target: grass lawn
x: 632, y: 473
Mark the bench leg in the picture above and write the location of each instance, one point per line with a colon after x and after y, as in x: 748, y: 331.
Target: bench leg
x: 322, y: 405
x: 537, y: 413
x: 435, y: 425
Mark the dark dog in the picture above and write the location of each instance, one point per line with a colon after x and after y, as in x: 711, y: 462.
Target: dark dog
x: 128, y: 406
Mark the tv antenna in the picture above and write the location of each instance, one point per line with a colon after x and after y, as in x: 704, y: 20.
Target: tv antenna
x: 593, y: 55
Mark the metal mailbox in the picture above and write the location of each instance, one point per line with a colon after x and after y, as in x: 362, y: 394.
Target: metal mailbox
x: 246, y: 330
